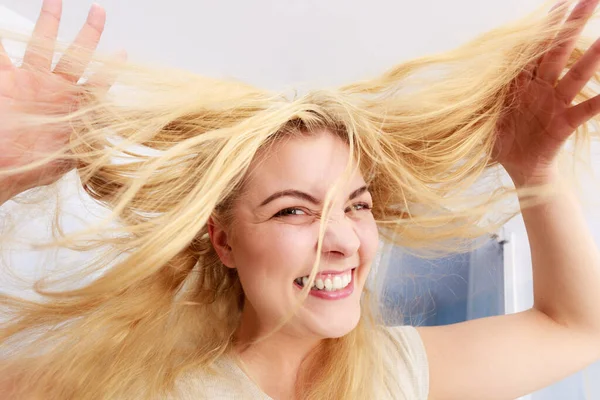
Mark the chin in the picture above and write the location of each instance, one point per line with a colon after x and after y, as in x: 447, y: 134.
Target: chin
x: 336, y: 326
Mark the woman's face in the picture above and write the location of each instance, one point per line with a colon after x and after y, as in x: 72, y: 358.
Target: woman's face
x: 273, y: 241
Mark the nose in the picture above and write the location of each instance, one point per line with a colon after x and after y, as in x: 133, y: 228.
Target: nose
x: 340, y: 240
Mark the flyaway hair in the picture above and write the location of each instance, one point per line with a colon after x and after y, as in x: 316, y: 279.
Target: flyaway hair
x: 165, y: 149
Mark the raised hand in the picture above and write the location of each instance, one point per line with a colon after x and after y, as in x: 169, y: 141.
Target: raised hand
x: 34, y: 88
x: 530, y: 137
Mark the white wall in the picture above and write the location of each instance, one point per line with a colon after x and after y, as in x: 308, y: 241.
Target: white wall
x: 276, y: 43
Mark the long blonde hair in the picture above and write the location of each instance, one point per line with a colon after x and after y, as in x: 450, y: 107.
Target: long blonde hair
x: 166, y: 150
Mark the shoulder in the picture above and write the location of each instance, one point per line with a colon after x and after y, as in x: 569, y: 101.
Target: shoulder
x: 407, y: 356
x: 223, y: 381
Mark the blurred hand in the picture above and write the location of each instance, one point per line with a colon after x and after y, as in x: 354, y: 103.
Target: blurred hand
x: 34, y: 88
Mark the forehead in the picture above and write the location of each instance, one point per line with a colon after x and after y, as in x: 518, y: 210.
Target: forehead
x: 310, y: 163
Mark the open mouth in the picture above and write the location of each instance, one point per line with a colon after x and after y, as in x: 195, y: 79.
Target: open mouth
x: 328, y: 282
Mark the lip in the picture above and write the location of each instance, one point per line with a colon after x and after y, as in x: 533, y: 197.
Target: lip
x: 332, y: 272
x: 336, y: 272
x: 334, y: 295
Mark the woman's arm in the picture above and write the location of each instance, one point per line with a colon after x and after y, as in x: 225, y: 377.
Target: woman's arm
x: 566, y: 263
x: 509, y: 356
x: 35, y: 85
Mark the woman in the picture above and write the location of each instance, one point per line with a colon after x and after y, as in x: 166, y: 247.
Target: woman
x: 243, y: 225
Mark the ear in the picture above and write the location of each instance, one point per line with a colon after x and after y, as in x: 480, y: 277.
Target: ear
x: 220, y: 241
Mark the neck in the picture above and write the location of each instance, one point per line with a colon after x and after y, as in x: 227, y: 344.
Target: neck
x: 273, y: 363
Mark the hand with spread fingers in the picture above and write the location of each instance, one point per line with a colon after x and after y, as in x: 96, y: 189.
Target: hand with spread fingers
x: 37, y: 88
x: 530, y: 137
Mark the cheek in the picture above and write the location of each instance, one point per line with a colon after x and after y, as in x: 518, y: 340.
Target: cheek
x: 368, y: 234
x: 274, y: 252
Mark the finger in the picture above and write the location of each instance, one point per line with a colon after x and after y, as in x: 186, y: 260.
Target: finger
x: 579, y: 75
x: 40, y: 51
x: 583, y: 112
x: 73, y: 63
x: 559, y: 12
x: 102, y: 81
x: 4, y: 59
x: 553, y: 63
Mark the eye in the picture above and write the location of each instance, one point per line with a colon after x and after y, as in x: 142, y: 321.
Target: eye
x: 298, y: 211
x: 289, y: 211
x: 361, y: 207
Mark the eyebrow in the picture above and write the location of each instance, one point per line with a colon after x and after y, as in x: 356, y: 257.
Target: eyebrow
x: 305, y: 196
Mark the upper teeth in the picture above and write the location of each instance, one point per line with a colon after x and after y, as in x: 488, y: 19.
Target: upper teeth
x: 330, y: 283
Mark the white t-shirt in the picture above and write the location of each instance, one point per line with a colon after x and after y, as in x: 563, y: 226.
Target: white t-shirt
x: 233, y: 384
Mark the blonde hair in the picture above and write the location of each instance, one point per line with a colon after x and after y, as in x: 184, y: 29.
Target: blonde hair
x: 166, y: 150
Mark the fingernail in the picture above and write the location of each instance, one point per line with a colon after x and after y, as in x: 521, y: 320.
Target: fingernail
x: 52, y: 5
x: 94, y: 9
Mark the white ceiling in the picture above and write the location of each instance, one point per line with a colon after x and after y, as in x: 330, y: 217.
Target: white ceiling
x: 278, y: 43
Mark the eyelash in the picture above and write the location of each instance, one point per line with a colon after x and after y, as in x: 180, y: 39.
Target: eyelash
x: 282, y: 213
